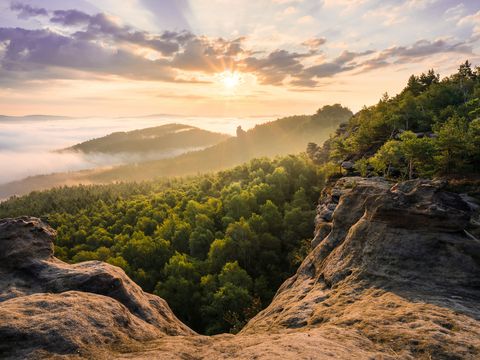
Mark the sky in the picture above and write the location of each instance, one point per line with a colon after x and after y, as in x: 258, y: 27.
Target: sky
x: 223, y: 57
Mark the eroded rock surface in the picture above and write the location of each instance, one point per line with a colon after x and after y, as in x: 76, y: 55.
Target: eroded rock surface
x: 393, y: 262
x: 50, y: 307
x: 394, y: 274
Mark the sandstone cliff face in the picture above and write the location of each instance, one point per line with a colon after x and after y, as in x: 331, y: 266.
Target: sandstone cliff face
x: 394, y: 274
x: 397, y: 264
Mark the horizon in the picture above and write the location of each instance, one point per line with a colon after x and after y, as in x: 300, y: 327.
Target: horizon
x: 74, y: 58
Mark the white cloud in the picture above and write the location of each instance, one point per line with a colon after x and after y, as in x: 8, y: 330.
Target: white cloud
x: 419, y: 4
x: 454, y: 13
x: 474, y: 21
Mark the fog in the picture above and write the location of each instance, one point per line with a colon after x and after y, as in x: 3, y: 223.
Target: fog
x: 27, y: 146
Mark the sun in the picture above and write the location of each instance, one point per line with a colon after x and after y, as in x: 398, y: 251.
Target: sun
x: 230, y: 79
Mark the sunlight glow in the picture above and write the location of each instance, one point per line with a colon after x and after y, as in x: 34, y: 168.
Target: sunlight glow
x: 230, y: 79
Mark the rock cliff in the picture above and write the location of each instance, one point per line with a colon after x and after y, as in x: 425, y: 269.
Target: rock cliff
x: 394, y: 274
x: 398, y: 264
x: 50, y: 307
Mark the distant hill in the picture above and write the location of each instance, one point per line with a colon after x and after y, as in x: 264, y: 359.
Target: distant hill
x: 33, y: 117
x: 156, y: 139
x: 280, y: 137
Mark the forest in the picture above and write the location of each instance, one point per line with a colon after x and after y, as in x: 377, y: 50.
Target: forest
x: 430, y: 129
x: 217, y: 246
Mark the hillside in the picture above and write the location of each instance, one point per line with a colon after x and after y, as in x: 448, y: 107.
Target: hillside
x: 430, y: 129
x: 284, y: 136
x: 33, y: 118
x: 160, y: 139
x: 393, y: 274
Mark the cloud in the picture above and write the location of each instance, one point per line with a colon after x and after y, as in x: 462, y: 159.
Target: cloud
x: 342, y: 63
x: 345, y: 4
x: 26, y: 11
x: 472, y: 20
x: 454, y: 13
x: 168, y: 13
x: 398, y: 12
x: 276, y: 66
x: 282, y: 2
x: 104, y: 45
x: 315, y: 43
x: 418, y: 50
x: 419, y: 4
x: 103, y: 27
x: 34, y: 50
x: 70, y: 17
x: 423, y: 48
x: 82, y: 45
x: 208, y: 55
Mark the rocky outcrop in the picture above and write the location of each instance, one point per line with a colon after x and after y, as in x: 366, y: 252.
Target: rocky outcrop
x: 394, y: 274
x: 396, y: 264
x: 48, y: 306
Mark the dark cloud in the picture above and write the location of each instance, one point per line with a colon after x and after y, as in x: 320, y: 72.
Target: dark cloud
x: 32, y: 51
x: 419, y: 49
x: 27, y: 11
x: 102, y: 27
x: 309, y: 76
x: 208, y: 55
x: 97, y: 45
x: 423, y: 48
x: 70, y: 17
x: 276, y: 66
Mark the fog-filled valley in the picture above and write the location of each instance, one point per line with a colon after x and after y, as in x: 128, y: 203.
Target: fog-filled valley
x: 167, y: 150
x: 28, y: 145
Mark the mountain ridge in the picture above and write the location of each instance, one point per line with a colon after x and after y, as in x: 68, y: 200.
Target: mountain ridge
x: 153, y: 139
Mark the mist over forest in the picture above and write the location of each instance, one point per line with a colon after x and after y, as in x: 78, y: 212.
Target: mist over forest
x: 28, y: 146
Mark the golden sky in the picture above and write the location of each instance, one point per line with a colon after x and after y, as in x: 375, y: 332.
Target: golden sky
x: 220, y: 57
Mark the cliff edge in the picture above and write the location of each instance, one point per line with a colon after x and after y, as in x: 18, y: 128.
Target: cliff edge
x: 397, y: 263
x: 394, y: 274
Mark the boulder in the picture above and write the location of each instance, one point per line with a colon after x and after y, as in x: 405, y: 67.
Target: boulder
x: 348, y: 165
